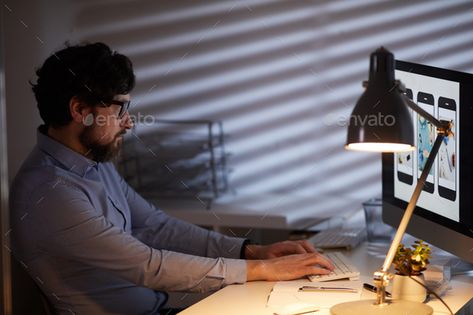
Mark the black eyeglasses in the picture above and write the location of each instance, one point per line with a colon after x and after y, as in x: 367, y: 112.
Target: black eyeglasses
x: 124, y: 106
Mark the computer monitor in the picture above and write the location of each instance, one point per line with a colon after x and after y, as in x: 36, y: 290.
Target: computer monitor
x: 444, y: 213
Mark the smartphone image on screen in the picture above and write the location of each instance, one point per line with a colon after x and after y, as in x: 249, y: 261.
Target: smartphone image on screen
x: 425, y: 139
x: 405, y: 160
x: 447, y: 156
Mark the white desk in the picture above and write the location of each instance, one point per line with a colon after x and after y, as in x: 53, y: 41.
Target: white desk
x: 251, y: 297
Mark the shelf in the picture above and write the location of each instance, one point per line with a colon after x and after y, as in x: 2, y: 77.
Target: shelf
x: 176, y: 159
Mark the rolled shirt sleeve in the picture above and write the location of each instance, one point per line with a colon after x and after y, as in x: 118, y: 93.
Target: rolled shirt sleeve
x: 200, y: 274
x: 79, y: 232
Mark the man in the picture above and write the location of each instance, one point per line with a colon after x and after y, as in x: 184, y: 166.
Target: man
x: 92, y: 244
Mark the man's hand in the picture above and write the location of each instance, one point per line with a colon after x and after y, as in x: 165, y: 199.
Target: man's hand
x: 288, y: 267
x: 278, y: 249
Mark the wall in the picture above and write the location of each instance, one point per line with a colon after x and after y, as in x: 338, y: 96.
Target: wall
x: 33, y: 29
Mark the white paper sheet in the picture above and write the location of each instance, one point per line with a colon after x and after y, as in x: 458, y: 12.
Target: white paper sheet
x: 286, y: 293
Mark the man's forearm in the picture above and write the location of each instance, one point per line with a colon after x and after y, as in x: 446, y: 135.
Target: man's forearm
x: 254, y: 270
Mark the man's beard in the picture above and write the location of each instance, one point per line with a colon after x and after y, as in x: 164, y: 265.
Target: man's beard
x: 97, y: 151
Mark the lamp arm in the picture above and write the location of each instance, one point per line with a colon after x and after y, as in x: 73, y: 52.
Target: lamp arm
x: 412, y: 204
x: 381, y: 277
x: 440, y: 124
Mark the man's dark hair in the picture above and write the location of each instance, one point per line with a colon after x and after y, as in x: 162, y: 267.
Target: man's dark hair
x: 91, y: 72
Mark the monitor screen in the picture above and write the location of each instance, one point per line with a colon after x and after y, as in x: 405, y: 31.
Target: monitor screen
x: 444, y: 212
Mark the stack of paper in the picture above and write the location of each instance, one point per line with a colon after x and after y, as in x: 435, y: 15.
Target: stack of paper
x: 287, y: 293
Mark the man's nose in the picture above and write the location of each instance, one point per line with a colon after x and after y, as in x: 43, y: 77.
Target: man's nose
x: 127, y: 122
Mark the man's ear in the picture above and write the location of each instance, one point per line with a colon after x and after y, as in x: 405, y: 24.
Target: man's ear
x: 79, y: 111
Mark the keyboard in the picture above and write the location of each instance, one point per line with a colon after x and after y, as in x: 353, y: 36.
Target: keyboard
x: 343, y: 269
x: 336, y: 238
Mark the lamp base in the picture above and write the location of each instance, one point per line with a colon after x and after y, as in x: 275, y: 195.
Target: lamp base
x: 392, y: 308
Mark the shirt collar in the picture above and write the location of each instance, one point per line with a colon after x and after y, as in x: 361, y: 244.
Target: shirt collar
x: 70, y: 159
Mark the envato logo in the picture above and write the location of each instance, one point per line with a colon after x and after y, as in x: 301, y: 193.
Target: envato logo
x: 106, y: 120
x: 373, y: 120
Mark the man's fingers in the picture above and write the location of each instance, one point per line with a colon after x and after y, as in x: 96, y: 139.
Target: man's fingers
x: 291, y: 248
x: 299, y: 249
x: 316, y: 258
x: 287, y: 248
x: 325, y: 262
x: 308, y: 246
x: 316, y: 271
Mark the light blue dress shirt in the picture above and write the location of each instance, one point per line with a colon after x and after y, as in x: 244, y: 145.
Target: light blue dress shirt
x: 94, y: 246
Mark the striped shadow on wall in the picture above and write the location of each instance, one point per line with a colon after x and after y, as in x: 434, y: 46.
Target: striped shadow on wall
x: 283, y: 77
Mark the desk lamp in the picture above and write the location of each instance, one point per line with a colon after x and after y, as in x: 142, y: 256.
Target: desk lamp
x: 381, y: 122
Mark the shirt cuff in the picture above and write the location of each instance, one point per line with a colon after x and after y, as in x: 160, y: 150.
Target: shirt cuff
x: 235, y: 271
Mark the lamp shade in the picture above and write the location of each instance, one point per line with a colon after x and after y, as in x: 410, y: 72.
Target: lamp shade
x: 381, y: 120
